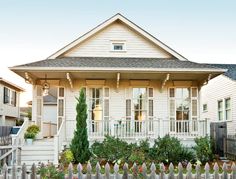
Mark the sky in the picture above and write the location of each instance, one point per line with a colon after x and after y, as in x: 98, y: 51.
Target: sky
x: 203, y: 31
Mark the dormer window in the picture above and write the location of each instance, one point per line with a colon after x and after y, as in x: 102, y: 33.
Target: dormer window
x: 118, y: 46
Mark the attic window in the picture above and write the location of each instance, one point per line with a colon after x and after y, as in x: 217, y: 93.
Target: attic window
x: 118, y: 46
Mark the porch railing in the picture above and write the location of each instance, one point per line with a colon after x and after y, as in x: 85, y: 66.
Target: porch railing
x: 152, y: 128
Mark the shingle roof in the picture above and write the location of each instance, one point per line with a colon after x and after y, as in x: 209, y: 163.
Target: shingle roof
x: 231, y: 73
x: 117, y: 62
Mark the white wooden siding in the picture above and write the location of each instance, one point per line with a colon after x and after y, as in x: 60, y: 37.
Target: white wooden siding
x: 100, y: 44
x: 219, y: 88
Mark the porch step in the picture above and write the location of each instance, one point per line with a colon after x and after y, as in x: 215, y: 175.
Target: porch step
x: 41, y: 151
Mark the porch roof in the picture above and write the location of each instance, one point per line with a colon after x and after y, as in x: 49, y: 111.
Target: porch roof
x: 115, y: 63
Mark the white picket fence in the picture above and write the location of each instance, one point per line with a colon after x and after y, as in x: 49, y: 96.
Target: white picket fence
x: 136, y: 172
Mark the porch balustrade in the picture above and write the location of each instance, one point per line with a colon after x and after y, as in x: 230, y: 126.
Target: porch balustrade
x: 151, y: 128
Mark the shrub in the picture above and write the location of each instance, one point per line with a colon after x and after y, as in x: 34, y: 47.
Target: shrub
x: 29, y: 135
x: 112, y: 149
x: 169, y: 149
x: 79, y: 144
x: 33, y: 129
x: 50, y: 172
x: 66, y: 157
x: 137, y: 156
x: 203, y: 149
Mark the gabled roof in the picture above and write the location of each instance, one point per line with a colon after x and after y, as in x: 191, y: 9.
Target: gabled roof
x: 115, y: 63
x: 231, y: 73
x: 127, y: 22
x: 11, y: 85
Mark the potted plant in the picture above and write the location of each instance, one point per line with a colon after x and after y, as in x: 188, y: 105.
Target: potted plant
x: 29, y: 137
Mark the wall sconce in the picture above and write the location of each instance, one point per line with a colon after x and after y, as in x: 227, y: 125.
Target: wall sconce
x: 46, y: 87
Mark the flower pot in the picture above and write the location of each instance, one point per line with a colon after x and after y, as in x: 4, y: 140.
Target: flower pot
x: 29, y: 141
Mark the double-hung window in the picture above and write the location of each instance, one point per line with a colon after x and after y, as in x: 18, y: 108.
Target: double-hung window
x: 227, y: 109
x: 220, y: 110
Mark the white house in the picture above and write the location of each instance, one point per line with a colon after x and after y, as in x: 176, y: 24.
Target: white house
x: 136, y: 87
x: 219, y: 98
x: 9, y: 103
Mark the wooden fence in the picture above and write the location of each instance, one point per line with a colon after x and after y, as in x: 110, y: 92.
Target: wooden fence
x: 135, y: 172
x: 230, y: 147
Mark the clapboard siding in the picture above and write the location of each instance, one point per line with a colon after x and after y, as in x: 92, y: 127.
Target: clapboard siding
x: 219, y: 88
x: 100, y: 44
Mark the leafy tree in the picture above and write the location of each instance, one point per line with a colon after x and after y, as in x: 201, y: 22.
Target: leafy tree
x: 79, y: 144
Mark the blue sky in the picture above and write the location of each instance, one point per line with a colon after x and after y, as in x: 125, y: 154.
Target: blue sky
x: 30, y: 30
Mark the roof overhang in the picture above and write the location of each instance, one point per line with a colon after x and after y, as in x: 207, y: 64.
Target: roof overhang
x: 11, y: 85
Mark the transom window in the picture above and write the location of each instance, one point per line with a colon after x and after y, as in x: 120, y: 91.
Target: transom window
x: 118, y: 46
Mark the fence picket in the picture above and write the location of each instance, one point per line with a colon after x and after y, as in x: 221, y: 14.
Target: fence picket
x: 180, y: 171
x: 5, y: 171
x: 33, y: 172
x: 80, y: 168
x: 135, y: 171
x: 153, y: 171
x: 14, y: 171
x: 233, y: 168
x: 98, y: 171
x: 189, y: 171
x: 207, y: 168
x: 216, y: 171
x: 116, y: 170
x: 198, y: 171
x: 107, y: 171
x: 70, y: 171
x: 125, y: 174
x: 224, y: 174
x: 144, y: 170
x: 171, y: 172
x: 23, y: 172
x: 89, y: 171
x: 162, y: 171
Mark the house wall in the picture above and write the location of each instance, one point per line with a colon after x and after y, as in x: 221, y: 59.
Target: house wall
x: 7, y: 110
x: 219, y: 88
x: 100, y: 44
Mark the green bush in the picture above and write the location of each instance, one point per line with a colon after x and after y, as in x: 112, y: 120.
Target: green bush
x: 111, y: 149
x: 33, y: 129
x: 66, y: 157
x: 137, y: 156
x: 169, y: 149
x: 203, y: 149
x: 50, y: 172
x: 29, y: 135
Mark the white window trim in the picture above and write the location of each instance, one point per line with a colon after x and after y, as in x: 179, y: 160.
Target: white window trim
x: 123, y: 42
x: 224, y: 110
x: 10, y: 97
x: 228, y: 109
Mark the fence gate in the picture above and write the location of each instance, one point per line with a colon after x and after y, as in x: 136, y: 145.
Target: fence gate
x: 218, y: 134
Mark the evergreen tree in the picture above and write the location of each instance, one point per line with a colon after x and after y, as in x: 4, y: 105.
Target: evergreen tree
x: 79, y: 145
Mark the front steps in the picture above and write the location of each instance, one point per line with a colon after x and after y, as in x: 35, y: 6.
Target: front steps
x: 42, y: 151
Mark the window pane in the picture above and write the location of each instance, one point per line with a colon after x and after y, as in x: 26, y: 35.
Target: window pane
x: 128, y: 107
x: 142, y: 104
x: 186, y: 93
x: 194, y: 107
x: 61, y: 92
x: 228, y: 114
x: 179, y: 105
x: 204, y: 107
x: 220, y: 105
x: 186, y: 115
x: 172, y: 92
x: 60, y: 107
x: 179, y: 115
x: 172, y: 107
x: 136, y: 104
x: 106, y: 92
x: 178, y: 92
x: 106, y: 107
x: 227, y: 103
x: 150, y: 92
x: 220, y: 115
x: 150, y: 107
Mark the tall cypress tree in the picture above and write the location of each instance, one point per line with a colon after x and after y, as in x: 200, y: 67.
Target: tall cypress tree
x: 79, y: 145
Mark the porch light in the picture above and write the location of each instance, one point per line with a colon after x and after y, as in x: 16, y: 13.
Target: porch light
x: 46, y: 87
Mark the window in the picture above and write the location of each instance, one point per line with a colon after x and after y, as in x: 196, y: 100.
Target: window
x: 227, y: 109
x: 204, y: 107
x: 10, y: 96
x: 118, y: 46
x: 220, y: 110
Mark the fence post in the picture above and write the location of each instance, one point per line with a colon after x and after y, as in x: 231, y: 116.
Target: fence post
x: 5, y: 171
x: 180, y: 173
x: 89, y: 171
x: 23, y: 172
x: 171, y: 171
x: 13, y: 171
x: 80, y: 168
x: 216, y: 171
x: 107, y: 171
x: 70, y: 171
x: 207, y: 168
x: 33, y: 171
x: 116, y: 170
x: 198, y: 171
x: 224, y: 175
x: 125, y: 168
x: 233, y: 168
x: 98, y: 171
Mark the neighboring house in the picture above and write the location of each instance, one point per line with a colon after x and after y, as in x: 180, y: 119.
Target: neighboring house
x: 136, y: 87
x: 9, y: 103
x: 219, y: 98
